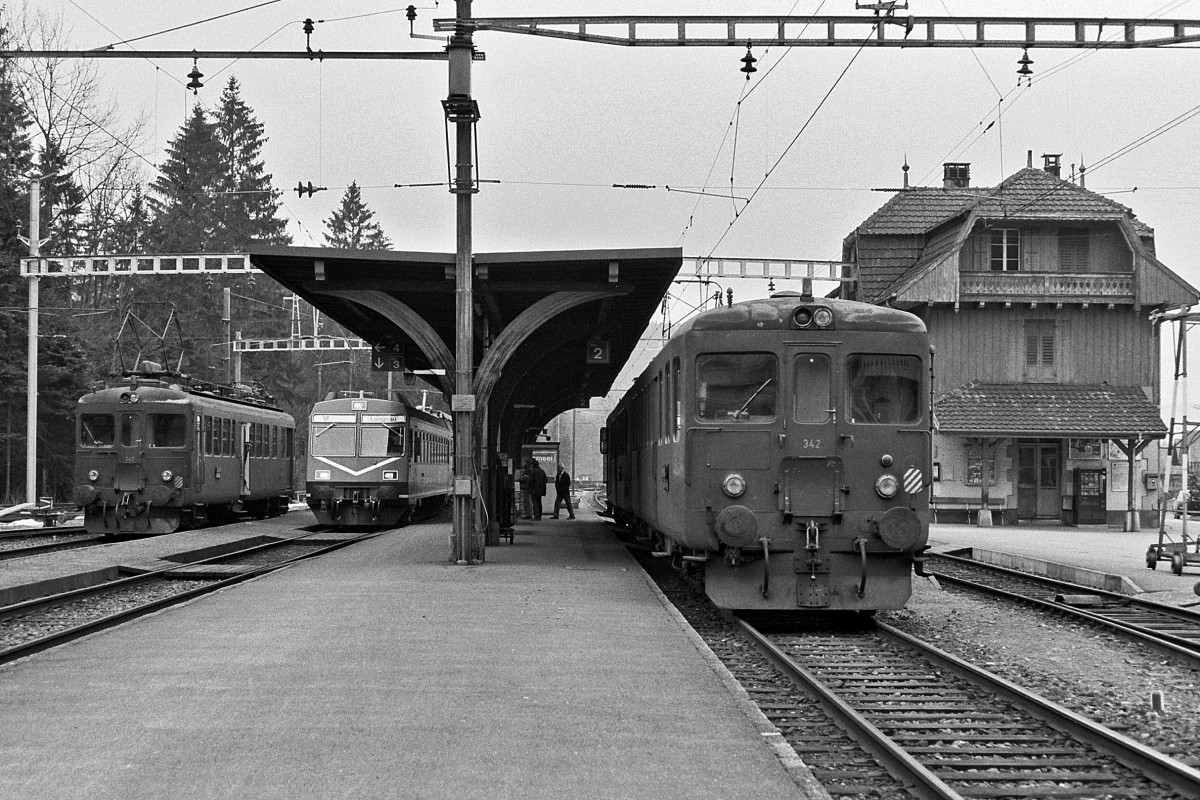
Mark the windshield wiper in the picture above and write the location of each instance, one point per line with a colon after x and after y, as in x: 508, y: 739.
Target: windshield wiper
x: 750, y: 399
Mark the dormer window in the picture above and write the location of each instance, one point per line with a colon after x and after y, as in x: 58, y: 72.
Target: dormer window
x: 1005, y: 249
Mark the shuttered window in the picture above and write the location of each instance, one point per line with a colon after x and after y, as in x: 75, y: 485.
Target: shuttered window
x: 1040, y: 350
x: 1073, y: 246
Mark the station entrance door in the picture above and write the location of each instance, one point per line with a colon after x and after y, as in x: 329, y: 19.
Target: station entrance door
x: 1039, y: 479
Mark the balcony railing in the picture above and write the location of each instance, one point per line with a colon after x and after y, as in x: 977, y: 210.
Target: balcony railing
x: 1046, y: 286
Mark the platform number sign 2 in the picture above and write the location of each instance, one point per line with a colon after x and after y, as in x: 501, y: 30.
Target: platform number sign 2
x: 597, y: 352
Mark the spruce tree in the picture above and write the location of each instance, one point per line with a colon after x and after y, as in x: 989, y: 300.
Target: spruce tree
x: 16, y: 165
x: 353, y: 226
x: 185, y: 217
x: 249, y: 198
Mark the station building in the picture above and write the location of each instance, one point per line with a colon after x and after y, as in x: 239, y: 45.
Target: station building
x: 1037, y: 294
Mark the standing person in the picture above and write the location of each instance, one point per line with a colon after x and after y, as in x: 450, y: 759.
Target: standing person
x: 537, y: 488
x: 562, y: 492
x: 526, y: 508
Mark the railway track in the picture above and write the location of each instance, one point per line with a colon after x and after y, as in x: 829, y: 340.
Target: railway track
x: 41, y: 623
x: 947, y: 729
x: 33, y: 541
x: 1171, y: 629
x: 898, y: 719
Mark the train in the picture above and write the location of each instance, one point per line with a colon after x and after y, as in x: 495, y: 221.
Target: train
x: 374, y: 462
x: 781, y: 451
x: 157, y: 452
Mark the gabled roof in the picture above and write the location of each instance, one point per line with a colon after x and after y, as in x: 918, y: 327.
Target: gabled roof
x: 1036, y: 194
x: 1027, y: 194
x: 920, y: 231
x: 918, y: 210
x: 1094, y: 411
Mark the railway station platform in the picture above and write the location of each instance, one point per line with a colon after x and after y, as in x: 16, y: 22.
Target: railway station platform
x: 1091, y: 555
x: 382, y: 671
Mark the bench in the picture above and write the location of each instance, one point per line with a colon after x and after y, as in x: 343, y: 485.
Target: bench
x: 967, y: 504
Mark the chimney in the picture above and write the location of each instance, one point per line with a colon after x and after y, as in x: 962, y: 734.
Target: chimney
x: 956, y: 175
x: 1050, y: 164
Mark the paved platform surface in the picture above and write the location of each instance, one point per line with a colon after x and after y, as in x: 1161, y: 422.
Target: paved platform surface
x: 1097, y: 548
x: 382, y: 671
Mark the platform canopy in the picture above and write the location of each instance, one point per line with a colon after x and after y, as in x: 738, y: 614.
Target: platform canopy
x: 535, y: 314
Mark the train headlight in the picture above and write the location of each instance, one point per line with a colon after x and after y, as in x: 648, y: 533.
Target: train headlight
x: 167, y: 475
x: 823, y: 317
x: 93, y: 475
x: 130, y: 397
x: 802, y: 317
x: 734, y: 485
x: 886, y: 486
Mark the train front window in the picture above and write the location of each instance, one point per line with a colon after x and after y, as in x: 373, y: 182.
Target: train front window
x: 333, y: 435
x: 382, y: 440
x: 737, y: 386
x: 97, y: 430
x: 884, y: 389
x: 811, y: 401
x: 168, y: 430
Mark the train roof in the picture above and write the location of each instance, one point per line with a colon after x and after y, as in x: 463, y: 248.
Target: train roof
x: 155, y: 384
x: 341, y: 401
x: 775, y: 313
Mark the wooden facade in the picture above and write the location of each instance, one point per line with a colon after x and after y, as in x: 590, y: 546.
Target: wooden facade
x: 1090, y: 345
x: 1036, y: 281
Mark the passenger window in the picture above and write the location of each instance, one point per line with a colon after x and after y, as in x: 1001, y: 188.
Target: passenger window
x: 97, y: 430
x: 884, y: 389
x: 168, y: 430
x: 737, y: 386
x: 810, y: 388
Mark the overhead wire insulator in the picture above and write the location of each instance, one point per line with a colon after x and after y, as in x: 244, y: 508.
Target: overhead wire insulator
x: 194, y: 84
x: 308, y: 31
x: 302, y: 189
x: 1025, y: 73
x: 748, y: 62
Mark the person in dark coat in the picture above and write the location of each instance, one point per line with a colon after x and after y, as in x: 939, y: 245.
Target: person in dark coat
x: 526, y: 507
x: 562, y: 492
x: 537, y: 488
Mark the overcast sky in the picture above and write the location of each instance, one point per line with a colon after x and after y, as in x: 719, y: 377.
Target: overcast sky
x: 563, y: 121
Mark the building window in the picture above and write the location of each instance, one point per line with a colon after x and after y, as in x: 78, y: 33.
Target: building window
x: 1073, y: 249
x: 1040, y: 350
x: 1005, y: 250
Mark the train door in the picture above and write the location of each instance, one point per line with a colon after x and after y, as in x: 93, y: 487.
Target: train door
x: 130, y: 453
x: 246, y: 450
x: 811, y: 467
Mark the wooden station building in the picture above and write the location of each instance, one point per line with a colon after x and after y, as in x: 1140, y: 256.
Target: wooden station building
x: 1037, y: 295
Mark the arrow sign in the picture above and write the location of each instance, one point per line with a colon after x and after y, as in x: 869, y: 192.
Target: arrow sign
x: 387, y: 363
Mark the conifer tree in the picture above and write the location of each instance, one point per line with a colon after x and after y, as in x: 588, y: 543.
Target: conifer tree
x: 185, y: 219
x: 353, y: 225
x: 16, y: 165
x: 249, y: 198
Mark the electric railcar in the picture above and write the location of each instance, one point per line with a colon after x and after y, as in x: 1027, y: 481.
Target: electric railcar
x: 156, y: 453
x: 782, y: 449
x: 374, y: 462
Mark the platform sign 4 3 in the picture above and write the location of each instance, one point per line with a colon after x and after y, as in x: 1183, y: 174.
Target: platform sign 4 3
x: 387, y: 357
